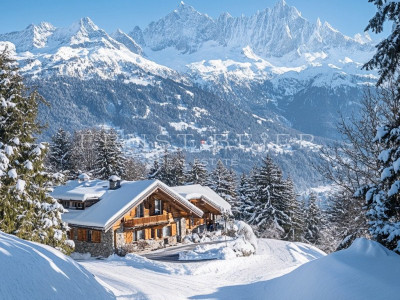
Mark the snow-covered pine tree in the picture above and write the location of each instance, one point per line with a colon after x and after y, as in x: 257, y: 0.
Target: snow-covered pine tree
x: 134, y: 169
x: 223, y: 182
x: 245, y: 199
x: 387, y: 56
x: 178, y: 168
x: 197, y: 173
x: 170, y: 169
x: 83, y: 156
x: 271, y: 209
x: 295, y: 230
x: 109, y: 157
x: 383, y: 199
x: 154, y: 170
x: 313, y: 221
x: 26, y: 209
x: 60, y: 151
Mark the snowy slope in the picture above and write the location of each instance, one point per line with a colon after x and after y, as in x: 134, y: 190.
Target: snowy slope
x: 366, y: 270
x: 136, y: 277
x: 280, y: 270
x: 33, y: 271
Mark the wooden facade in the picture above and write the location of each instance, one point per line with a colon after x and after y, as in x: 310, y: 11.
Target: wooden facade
x: 209, y: 217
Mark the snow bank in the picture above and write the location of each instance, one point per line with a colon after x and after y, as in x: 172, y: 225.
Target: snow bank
x: 224, y: 250
x: 81, y: 256
x: 33, y: 271
x: 207, y: 252
x: 366, y: 270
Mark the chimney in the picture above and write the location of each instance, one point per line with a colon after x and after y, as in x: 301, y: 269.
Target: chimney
x: 115, y: 182
x: 83, y: 177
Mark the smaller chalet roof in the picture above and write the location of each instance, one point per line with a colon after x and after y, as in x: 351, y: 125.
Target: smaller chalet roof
x: 80, y: 190
x: 197, y: 191
x: 114, y: 204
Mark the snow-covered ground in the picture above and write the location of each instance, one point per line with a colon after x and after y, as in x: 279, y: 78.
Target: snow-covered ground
x: 135, y: 277
x: 280, y: 270
x: 33, y: 271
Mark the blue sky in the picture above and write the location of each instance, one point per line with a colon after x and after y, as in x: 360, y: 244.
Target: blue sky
x: 348, y: 16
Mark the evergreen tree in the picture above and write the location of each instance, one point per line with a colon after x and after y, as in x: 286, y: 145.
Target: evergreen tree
x: 223, y: 182
x: 134, y: 169
x: 387, y: 56
x: 170, y: 169
x: 295, y: 229
x: 197, y: 173
x: 178, y: 166
x: 383, y: 198
x: 83, y: 156
x: 246, y: 207
x: 345, y: 223
x: 270, y: 205
x: 26, y: 210
x: 109, y: 158
x: 313, y: 221
x: 60, y: 151
x: 154, y: 170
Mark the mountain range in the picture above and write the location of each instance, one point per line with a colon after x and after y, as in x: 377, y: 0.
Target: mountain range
x: 272, y: 74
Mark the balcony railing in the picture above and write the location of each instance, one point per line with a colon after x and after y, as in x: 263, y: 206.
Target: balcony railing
x: 137, y: 222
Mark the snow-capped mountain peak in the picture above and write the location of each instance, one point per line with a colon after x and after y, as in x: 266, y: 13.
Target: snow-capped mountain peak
x: 32, y: 37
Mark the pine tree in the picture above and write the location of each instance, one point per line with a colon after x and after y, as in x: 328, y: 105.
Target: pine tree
x: 134, y: 169
x: 313, y: 221
x: 26, y: 210
x: 383, y: 198
x: 295, y: 229
x: 245, y: 199
x: 60, y: 151
x: 154, y: 170
x: 170, y: 169
x: 271, y: 208
x: 178, y: 169
x: 197, y: 173
x: 387, y: 56
x: 109, y: 157
x: 223, y: 182
x: 83, y: 156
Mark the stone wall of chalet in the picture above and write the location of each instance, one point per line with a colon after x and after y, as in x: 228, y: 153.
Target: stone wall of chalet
x: 105, y: 248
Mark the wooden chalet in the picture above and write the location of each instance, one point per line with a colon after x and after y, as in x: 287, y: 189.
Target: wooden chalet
x: 125, y: 216
x: 212, y: 205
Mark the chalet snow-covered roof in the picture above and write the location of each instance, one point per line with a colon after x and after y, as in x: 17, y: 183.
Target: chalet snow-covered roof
x: 197, y: 191
x: 114, y: 204
x: 80, y: 190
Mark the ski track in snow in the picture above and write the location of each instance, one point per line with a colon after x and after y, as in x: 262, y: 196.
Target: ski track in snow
x: 146, y: 279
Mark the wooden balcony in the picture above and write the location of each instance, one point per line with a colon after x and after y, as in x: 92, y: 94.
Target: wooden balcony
x: 146, y: 221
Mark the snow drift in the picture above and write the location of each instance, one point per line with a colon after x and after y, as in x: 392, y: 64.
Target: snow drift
x: 366, y: 270
x: 34, y: 271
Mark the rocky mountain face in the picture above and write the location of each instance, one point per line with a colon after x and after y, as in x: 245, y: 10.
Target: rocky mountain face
x: 269, y: 75
x: 273, y: 32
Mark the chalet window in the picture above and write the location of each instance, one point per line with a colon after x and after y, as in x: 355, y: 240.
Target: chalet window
x: 71, y: 234
x: 89, y: 235
x: 82, y: 234
x: 159, y: 233
x: 166, y: 231
x: 96, y: 236
x: 66, y: 204
x: 140, y: 211
x: 157, y: 207
x: 139, y: 235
